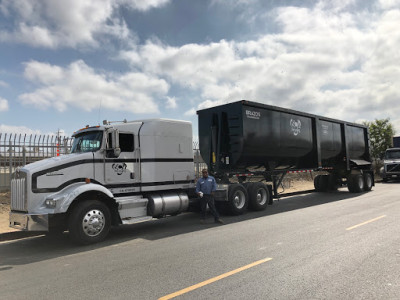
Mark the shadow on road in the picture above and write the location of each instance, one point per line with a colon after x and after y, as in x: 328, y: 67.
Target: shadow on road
x: 35, y: 249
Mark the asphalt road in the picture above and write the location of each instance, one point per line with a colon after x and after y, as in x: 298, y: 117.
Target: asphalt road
x: 314, y: 246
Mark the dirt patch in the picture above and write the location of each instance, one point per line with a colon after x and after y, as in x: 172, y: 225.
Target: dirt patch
x: 4, y: 211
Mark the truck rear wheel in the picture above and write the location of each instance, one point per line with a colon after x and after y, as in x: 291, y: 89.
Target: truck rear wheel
x: 367, y: 182
x: 355, y: 183
x: 89, y: 222
x: 237, y: 199
x: 258, y: 196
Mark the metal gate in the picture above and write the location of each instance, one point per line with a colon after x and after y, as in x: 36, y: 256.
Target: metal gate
x: 17, y: 150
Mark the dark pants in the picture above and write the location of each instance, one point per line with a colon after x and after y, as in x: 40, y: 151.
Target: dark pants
x: 208, y: 199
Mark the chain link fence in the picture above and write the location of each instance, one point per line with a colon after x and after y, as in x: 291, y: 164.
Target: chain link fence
x: 17, y: 150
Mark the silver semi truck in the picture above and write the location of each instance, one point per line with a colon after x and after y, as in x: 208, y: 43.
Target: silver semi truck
x: 391, y: 164
x: 129, y: 172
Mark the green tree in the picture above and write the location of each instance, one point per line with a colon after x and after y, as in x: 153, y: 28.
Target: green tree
x: 381, y: 134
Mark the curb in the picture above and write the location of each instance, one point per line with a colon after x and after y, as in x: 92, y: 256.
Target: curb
x: 16, y: 235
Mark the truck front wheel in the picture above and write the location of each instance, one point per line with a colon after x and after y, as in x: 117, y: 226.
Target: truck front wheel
x: 89, y: 222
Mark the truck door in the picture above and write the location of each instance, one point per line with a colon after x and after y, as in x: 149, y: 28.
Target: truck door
x: 122, y: 174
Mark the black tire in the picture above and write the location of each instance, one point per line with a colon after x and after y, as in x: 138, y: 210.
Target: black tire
x: 355, y: 183
x: 237, y: 199
x: 89, y: 222
x: 259, y: 196
x: 316, y: 183
x: 322, y: 183
x: 332, y: 182
x: 367, y: 182
x: 247, y: 186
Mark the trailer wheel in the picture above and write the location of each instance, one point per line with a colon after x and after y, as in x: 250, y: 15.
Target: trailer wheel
x: 316, y: 183
x: 258, y: 196
x: 355, y: 183
x: 89, y: 222
x: 367, y: 182
x: 237, y: 199
x: 332, y: 182
x: 321, y: 183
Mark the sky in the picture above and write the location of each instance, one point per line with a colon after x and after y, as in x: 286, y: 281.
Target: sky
x: 68, y: 64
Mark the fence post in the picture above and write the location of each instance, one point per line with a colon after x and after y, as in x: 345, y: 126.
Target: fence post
x: 10, y: 160
x: 197, y: 163
x: 66, y: 140
x: 23, y: 156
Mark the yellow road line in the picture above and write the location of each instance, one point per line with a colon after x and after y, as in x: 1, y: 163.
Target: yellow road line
x: 369, y: 221
x: 211, y: 280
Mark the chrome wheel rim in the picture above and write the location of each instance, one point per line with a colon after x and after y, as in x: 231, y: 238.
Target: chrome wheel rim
x: 93, y: 222
x: 361, y: 183
x: 369, y: 182
x: 261, y: 196
x: 239, y: 199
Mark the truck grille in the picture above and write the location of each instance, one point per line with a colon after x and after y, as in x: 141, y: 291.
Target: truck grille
x: 18, y: 191
x: 393, y: 168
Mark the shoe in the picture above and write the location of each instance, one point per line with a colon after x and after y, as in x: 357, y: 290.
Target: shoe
x: 220, y: 221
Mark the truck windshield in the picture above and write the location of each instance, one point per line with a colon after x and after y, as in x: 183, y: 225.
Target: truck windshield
x: 87, y: 142
x: 393, y: 154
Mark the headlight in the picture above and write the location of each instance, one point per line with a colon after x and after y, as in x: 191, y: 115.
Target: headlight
x: 52, y: 202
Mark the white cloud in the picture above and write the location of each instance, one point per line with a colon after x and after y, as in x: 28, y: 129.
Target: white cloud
x: 191, y: 112
x: 3, y: 104
x: 54, y: 24
x: 78, y: 86
x: 7, y: 129
x: 388, y: 4
x: 171, y: 102
x: 143, y: 5
x: 325, y: 61
x: 25, y: 131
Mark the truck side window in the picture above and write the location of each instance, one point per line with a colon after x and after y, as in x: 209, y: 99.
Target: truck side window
x: 109, y: 141
x: 126, y: 142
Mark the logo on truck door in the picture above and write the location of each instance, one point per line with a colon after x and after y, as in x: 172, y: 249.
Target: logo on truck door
x: 119, y: 168
x: 296, y: 126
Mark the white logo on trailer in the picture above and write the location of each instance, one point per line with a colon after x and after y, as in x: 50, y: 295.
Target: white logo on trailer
x: 296, y: 126
x: 253, y: 114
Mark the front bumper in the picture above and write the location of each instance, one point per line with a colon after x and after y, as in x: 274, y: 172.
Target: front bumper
x: 392, y: 176
x: 29, y: 222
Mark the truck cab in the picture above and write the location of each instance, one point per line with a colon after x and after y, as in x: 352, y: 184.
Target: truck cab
x: 391, y: 164
x: 120, y: 173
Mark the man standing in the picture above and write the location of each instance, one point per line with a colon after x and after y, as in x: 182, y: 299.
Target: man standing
x: 205, y: 188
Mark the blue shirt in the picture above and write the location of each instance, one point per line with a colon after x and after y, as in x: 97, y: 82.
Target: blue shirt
x: 206, y: 185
